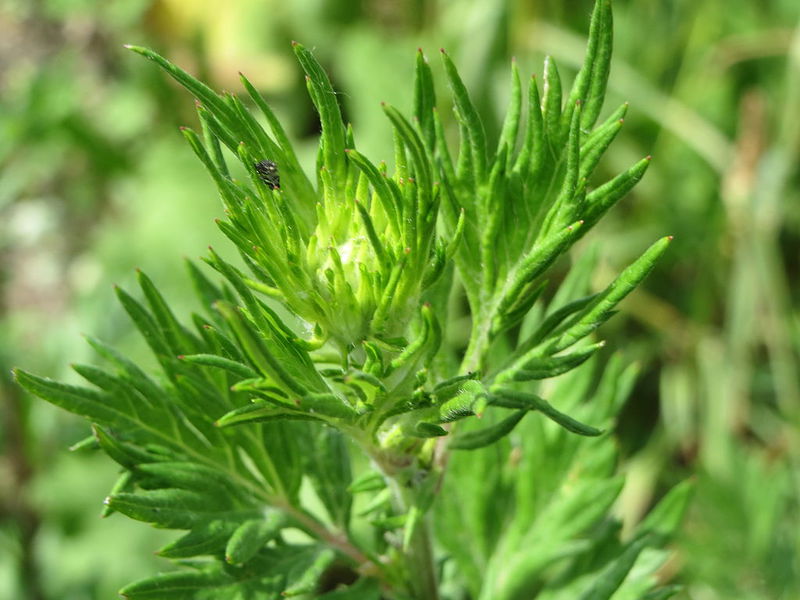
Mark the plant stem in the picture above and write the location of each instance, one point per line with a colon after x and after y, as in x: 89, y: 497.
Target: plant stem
x: 479, y: 341
x: 339, y: 542
x: 420, y: 559
x: 421, y: 572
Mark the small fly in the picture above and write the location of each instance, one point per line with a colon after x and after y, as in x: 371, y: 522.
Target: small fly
x: 268, y: 173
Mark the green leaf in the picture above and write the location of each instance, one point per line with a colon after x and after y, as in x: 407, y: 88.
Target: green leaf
x: 125, y: 483
x: 220, y: 362
x: 612, y: 576
x: 461, y: 402
x: 663, y: 520
x: 168, y: 508
x: 200, y: 90
x: 79, y: 400
x: 594, y: 148
x: 369, y: 481
x: 551, y: 101
x: 425, y: 430
x: 521, y: 400
x: 468, y: 116
x: 599, y: 201
x: 260, y: 412
x: 544, y: 367
x: 258, y: 353
x: 601, y: 309
x: 149, y: 329
x: 531, y: 155
x: 510, y: 130
x: 478, y: 438
x: 553, y: 320
x: 327, y: 463
x: 250, y: 536
x: 179, y: 585
x: 125, y: 454
x: 535, y: 262
x: 424, y: 99
x: 307, y: 582
x: 662, y: 593
x: 601, y: 30
x: 419, y: 155
x: 213, y: 482
x: 363, y: 589
x: 178, y: 338
x: 204, y: 539
x: 324, y: 98
x: 381, y: 187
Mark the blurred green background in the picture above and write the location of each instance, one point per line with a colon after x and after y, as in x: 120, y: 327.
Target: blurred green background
x: 96, y: 181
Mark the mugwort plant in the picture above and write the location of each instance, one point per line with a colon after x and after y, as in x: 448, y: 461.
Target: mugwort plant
x: 317, y: 431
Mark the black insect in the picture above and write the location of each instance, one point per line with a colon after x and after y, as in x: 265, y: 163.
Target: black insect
x: 268, y: 173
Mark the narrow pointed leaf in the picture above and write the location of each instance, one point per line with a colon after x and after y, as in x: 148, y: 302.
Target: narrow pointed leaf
x: 472, y: 440
x: 251, y: 536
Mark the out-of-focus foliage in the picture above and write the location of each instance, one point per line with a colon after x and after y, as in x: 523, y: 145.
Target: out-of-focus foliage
x: 93, y: 169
